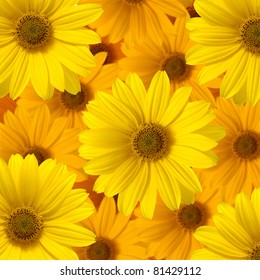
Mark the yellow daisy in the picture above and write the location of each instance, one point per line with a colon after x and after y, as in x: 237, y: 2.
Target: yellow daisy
x: 42, y: 136
x: 169, y: 55
x: 236, y: 235
x: 44, y: 41
x: 39, y: 211
x: 238, y: 168
x: 169, y: 235
x: 6, y: 104
x: 64, y: 104
x: 116, y: 238
x: 143, y: 142
x: 133, y: 20
x: 228, y: 41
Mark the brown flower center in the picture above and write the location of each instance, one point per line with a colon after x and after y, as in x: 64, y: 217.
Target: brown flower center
x: 24, y: 225
x: 254, y: 253
x: 102, y: 249
x: 76, y: 102
x: 40, y: 154
x: 32, y: 31
x: 150, y: 142
x: 247, y: 145
x: 175, y: 67
x: 191, y: 216
x: 249, y: 33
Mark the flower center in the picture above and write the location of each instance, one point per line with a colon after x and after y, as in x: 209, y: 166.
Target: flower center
x: 133, y: 2
x: 191, y: 216
x: 32, y: 30
x: 101, y: 250
x: 40, y: 154
x: 150, y: 142
x: 254, y: 253
x: 247, y: 145
x: 77, y: 101
x: 24, y: 225
x: 249, y: 33
x: 102, y: 47
x: 175, y: 66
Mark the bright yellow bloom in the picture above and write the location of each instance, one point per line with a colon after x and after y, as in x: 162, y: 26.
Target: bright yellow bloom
x: 39, y: 211
x: 64, y: 104
x: 44, y: 41
x: 169, y: 235
x: 168, y: 55
x: 42, y: 136
x: 143, y: 142
x: 133, y: 20
x: 116, y: 238
x: 238, y: 168
x: 228, y: 41
x: 236, y: 235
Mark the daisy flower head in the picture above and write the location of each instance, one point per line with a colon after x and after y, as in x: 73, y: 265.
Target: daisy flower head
x: 141, y: 143
x: 45, y: 42
x: 227, y: 34
x: 236, y: 234
x: 22, y: 133
x: 169, y: 235
x: 116, y: 238
x: 39, y: 211
x: 70, y: 106
x: 133, y: 20
x: 238, y: 167
x: 168, y: 55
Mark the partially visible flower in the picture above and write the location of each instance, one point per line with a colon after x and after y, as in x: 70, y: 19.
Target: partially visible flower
x: 133, y: 20
x: 64, y: 104
x: 141, y: 143
x: 168, y: 55
x: 116, y: 238
x: 39, y: 211
x: 228, y: 41
x: 42, y: 136
x: 236, y: 234
x: 44, y: 41
x: 238, y: 168
x: 169, y: 235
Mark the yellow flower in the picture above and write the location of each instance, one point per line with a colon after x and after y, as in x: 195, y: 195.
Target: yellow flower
x: 168, y: 55
x: 116, y: 238
x: 42, y: 136
x: 64, y: 104
x: 39, y: 211
x: 238, y: 168
x: 133, y: 20
x: 169, y: 235
x: 228, y: 41
x: 236, y: 235
x: 143, y: 142
x: 45, y: 41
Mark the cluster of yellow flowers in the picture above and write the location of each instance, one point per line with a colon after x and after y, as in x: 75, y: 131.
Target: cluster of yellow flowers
x: 129, y: 129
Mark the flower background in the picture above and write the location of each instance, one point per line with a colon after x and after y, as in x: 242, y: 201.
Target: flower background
x: 129, y: 129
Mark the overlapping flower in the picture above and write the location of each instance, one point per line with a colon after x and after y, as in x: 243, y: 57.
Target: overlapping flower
x: 129, y: 129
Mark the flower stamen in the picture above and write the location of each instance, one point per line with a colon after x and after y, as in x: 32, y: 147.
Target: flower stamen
x: 24, y: 225
x: 32, y: 31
